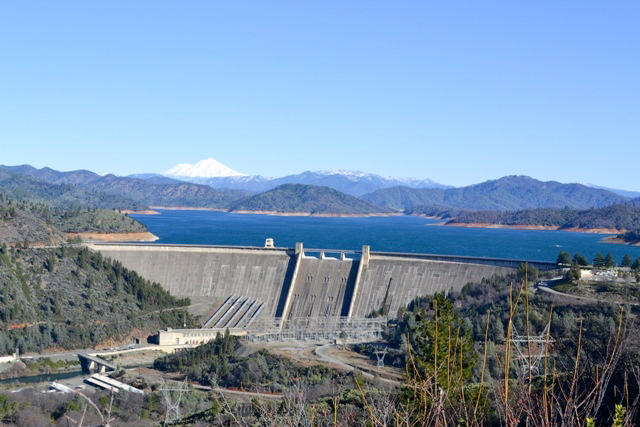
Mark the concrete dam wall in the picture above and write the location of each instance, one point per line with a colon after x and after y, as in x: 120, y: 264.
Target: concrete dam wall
x: 210, y: 273
x: 390, y: 282
x: 243, y: 283
x: 322, y: 288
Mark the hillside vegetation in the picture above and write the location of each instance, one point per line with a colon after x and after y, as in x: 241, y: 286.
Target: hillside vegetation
x: 138, y: 192
x: 64, y: 195
x: 306, y: 198
x: 504, y: 194
x: 619, y: 217
x: 214, y: 363
x: 37, y: 223
x: 72, y: 298
x: 97, y: 220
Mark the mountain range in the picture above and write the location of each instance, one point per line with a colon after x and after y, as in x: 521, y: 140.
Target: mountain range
x: 505, y: 194
x: 110, y: 191
x: 214, y: 174
x: 304, y: 194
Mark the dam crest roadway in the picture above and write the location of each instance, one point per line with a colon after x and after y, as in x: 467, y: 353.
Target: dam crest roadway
x: 268, y: 291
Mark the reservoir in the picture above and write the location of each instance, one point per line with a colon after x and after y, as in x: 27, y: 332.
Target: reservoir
x: 391, y: 234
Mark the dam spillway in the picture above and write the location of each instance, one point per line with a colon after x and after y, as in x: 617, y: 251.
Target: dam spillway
x: 239, y: 284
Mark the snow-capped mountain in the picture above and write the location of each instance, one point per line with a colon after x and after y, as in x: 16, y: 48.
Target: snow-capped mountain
x: 209, y: 168
x: 355, y: 183
x: 384, y: 180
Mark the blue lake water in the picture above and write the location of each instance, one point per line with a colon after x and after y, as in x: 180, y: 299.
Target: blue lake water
x: 393, y: 234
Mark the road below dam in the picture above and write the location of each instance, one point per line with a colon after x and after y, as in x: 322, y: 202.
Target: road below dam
x: 240, y: 284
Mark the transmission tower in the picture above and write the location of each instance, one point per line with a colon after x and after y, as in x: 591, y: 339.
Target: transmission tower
x: 530, y: 349
x: 380, y: 354
x: 173, y: 396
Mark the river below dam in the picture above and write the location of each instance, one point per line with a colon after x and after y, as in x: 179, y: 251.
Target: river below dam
x: 390, y: 234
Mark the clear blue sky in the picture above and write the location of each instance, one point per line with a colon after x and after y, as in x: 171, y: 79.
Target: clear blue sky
x: 456, y: 91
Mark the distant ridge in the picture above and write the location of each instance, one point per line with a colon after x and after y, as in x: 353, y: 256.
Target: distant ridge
x: 211, y: 172
x: 300, y: 198
x: 615, y: 217
x: 509, y: 193
x: 88, y: 189
x: 112, y: 191
x: 625, y: 193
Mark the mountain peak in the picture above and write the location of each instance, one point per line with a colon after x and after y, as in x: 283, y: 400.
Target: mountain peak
x: 209, y: 168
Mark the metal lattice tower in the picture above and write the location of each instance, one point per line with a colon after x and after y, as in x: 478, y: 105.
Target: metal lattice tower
x: 173, y: 401
x: 316, y: 329
x: 380, y: 354
x: 530, y: 362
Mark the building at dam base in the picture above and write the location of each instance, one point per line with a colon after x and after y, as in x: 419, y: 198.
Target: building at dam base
x: 236, y: 287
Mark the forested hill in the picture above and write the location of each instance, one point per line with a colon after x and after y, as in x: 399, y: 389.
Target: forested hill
x: 70, y: 298
x: 619, y: 217
x: 63, y: 195
x: 307, y: 199
x: 505, y: 194
x: 38, y: 223
x: 132, y: 193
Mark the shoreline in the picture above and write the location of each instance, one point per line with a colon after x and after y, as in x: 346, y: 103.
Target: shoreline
x: 140, y: 212
x: 185, y: 208
x: 611, y: 239
x: 115, y: 237
x: 326, y: 215
x: 536, y: 227
x: 618, y: 241
x: 276, y: 213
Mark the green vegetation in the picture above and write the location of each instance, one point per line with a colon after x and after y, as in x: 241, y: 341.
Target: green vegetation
x: 620, y: 217
x: 505, y: 194
x: 599, y: 261
x: 461, y: 365
x: 437, y: 337
x: 306, y: 198
x: 86, y: 189
x: 214, y: 363
x: 631, y: 237
x: 74, y: 298
x: 45, y: 365
x: 63, y: 196
x: 97, y: 220
x: 489, y: 312
x: 25, y: 222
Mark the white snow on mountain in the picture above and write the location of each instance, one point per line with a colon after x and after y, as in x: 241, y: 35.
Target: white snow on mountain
x: 210, y: 168
x: 397, y: 180
x: 357, y: 174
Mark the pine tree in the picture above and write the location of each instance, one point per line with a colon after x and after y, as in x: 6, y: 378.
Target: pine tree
x: 438, y: 339
x: 598, y: 261
x: 609, y: 261
x: 563, y: 258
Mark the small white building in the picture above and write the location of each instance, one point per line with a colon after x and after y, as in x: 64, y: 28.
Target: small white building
x: 194, y: 336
